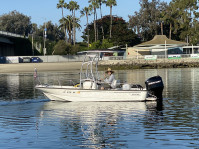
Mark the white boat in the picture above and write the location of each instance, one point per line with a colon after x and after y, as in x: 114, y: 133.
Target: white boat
x: 89, y: 87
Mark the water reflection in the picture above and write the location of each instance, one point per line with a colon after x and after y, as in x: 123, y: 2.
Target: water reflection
x: 28, y: 120
x: 20, y: 86
x: 179, y: 83
x: 99, y: 124
x: 15, y: 86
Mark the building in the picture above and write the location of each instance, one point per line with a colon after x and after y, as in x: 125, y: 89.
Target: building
x: 159, y: 45
x: 107, y: 54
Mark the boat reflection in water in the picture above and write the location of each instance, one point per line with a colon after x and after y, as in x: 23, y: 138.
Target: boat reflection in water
x: 99, y: 124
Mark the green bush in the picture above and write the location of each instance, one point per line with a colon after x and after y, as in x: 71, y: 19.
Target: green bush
x: 105, y: 44
x: 49, y: 47
x: 62, y: 48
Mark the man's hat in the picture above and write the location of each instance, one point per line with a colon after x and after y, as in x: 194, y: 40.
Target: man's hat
x: 109, y: 70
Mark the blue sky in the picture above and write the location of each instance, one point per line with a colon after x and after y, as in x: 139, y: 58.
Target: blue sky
x: 45, y: 10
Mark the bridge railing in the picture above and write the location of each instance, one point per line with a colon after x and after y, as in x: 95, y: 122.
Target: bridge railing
x: 11, y: 34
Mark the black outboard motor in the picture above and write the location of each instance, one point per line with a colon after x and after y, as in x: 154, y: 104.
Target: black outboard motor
x: 155, y: 86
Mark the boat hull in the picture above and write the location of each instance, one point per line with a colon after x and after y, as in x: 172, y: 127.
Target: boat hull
x: 68, y: 93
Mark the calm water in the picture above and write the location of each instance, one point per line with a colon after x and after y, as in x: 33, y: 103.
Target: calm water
x: 29, y: 120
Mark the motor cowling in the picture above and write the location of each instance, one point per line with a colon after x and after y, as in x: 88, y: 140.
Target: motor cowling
x: 155, y: 86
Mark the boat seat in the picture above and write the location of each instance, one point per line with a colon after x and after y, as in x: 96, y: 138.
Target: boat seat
x: 114, y: 84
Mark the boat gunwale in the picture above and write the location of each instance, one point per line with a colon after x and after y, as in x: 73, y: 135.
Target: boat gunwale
x: 78, y: 89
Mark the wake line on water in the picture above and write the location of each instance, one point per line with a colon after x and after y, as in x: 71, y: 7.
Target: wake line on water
x: 18, y: 102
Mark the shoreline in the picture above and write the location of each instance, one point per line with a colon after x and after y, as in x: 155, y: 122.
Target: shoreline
x: 114, y: 64
x: 150, y: 64
x: 45, y: 67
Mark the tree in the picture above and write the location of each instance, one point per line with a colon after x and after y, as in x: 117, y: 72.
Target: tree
x: 147, y: 22
x: 63, y: 5
x: 111, y: 3
x: 73, y: 6
x: 61, y: 48
x: 122, y: 35
x: 100, y: 5
x: 54, y: 34
x: 63, y: 23
x: 86, y: 11
x: 106, y: 44
x: 178, y: 20
x: 53, y: 31
x: 16, y: 22
x: 77, y: 24
x: 185, y: 18
x: 68, y: 23
x: 168, y: 17
x: 69, y: 26
x: 94, y: 5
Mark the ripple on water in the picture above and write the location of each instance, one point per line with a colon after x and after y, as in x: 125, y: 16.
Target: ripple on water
x: 28, y: 120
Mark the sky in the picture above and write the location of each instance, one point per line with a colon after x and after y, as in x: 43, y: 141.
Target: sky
x: 42, y: 11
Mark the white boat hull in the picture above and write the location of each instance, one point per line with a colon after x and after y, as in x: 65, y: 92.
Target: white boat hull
x: 69, y: 93
x: 90, y: 87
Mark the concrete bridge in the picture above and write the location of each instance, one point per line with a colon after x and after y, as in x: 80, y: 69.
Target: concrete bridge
x: 7, y: 46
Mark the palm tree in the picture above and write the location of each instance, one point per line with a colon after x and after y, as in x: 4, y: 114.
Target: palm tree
x: 111, y: 3
x: 62, y: 5
x: 94, y: 5
x: 86, y: 11
x: 72, y: 6
x: 63, y: 25
x: 100, y: 5
x: 69, y: 21
x: 77, y: 25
